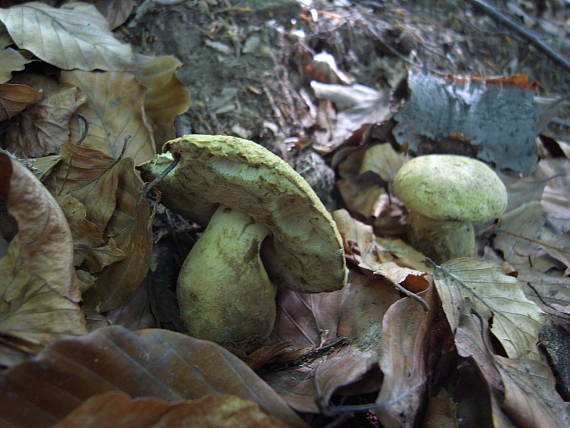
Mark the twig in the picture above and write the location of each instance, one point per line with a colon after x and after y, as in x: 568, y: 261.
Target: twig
x: 530, y: 36
x: 158, y: 179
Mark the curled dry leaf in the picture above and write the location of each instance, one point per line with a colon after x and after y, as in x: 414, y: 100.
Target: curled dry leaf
x: 369, y: 251
x: 15, y: 98
x: 382, y: 160
x: 357, y: 106
x: 67, y: 36
x: 404, y: 354
x: 340, y: 333
x: 551, y: 293
x: 531, y: 399
x: 111, y: 227
x: 118, y: 410
x: 43, y: 128
x: 150, y: 363
x: 166, y: 97
x: 555, y: 199
x: 441, y: 411
x: 523, y: 388
x: 117, y: 124
x: 10, y: 59
x: 467, y: 283
x: 116, y: 12
x: 39, y: 295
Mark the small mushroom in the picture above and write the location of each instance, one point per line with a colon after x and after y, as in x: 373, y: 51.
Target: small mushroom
x: 445, y: 194
x: 269, y: 229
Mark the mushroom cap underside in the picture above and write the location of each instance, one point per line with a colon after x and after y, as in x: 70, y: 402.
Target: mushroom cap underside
x: 451, y: 187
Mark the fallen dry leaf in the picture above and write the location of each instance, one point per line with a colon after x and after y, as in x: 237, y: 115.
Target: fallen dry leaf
x: 551, y: 293
x: 116, y: 12
x: 357, y: 106
x: 531, y: 399
x: 467, y: 283
x: 111, y: 226
x: 441, y: 412
x: 15, y: 98
x: 43, y: 128
x: 406, y: 329
x: 39, y: 295
x: 368, y: 251
x: 149, y: 363
x: 555, y: 200
x: 67, y: 36
x: 338, y: 334
x: 474, y: 344
x: 118, y: 410
x: 10, y: 59
x: 166, y: 97
x: 117, y: 124
x: 382, y: 160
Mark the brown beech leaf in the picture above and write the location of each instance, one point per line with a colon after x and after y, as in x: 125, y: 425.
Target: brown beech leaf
x: 551, y: 293
x: 15, y: 98
x: 466, y: 283
x: 39, y: 295
x: 357, y: 106
x: 339, y: 334
x: 362, y: 195
x: 10, y: 59
x: 166, y: 96
x: 441, y: 411
x: 118, y: 410
x: 116, y: 12
x: 531, y: 399
x: 43, y: 128
x: 404, y: 352
x: 382, y: 160
x: 75, y: 36
x: 555, y: 200
x: 115, y: 114
x: 368, y: 251
x: 518, y: 234
x: 111, y: 227
x: 473, y: 341
x: 149, y: 363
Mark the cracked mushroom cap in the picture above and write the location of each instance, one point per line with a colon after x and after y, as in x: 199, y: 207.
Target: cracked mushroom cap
x: 304, y: 251
x: 451, y: 187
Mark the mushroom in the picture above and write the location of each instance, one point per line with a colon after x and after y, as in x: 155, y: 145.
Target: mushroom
x: 268, y: 229
x: 445, y: 194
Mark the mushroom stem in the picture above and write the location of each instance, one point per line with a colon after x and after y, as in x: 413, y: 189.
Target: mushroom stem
x: 224, y: 292
x: 441, y: 240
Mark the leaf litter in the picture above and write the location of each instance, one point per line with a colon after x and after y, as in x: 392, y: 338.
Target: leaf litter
x: 406, y: 342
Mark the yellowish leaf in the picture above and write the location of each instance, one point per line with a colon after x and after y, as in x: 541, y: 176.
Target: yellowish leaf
x: 467, y: 283
x: 166, y: 96
x: 117, y: 125
x: 110, y: 225
x: 43, y: 128
x: 75, y: 36
x: 15, y: 98
x: 10, y: 59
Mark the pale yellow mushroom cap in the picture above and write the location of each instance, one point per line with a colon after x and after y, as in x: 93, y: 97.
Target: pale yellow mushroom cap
x: 305, y: 251
x: 451, y: 187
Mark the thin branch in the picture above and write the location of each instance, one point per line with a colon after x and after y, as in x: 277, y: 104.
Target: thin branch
x: 530, y: 36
